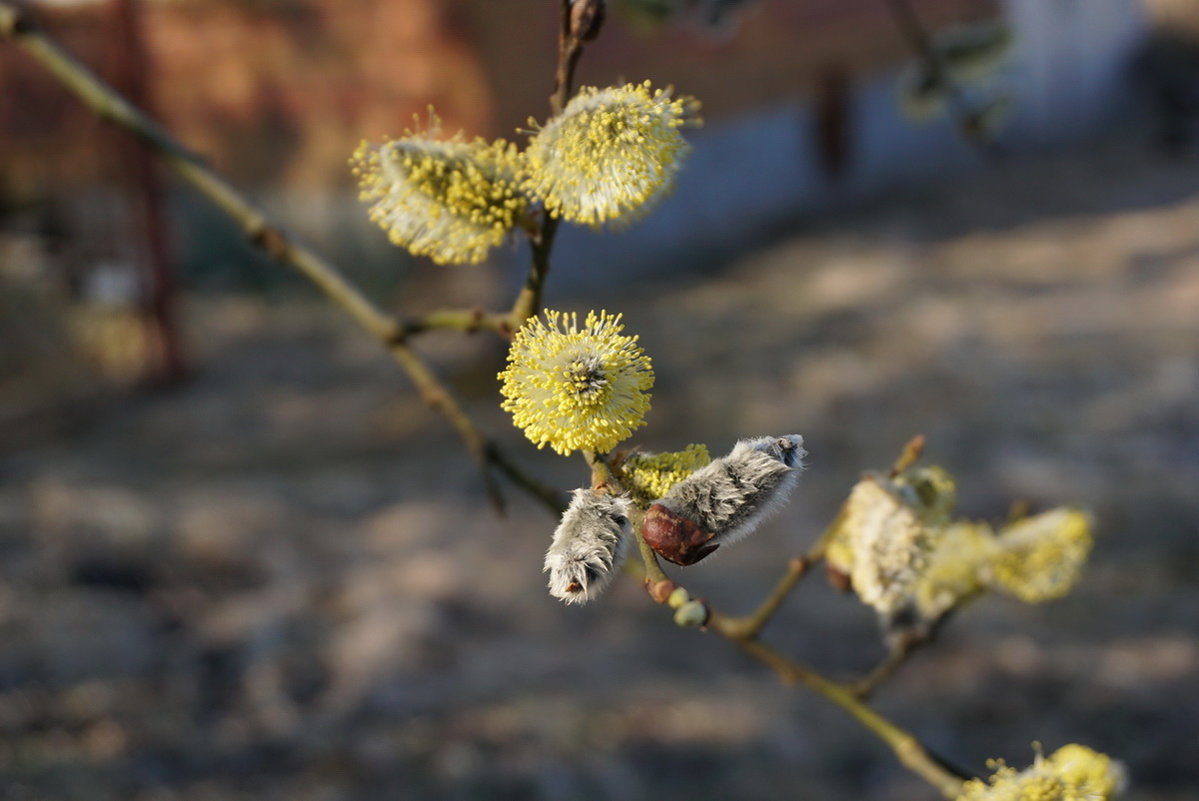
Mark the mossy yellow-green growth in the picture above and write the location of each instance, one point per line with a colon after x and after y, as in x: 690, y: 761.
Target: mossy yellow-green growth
x: 449, y: 200
x: 610, y: 155
x: 576, y: 388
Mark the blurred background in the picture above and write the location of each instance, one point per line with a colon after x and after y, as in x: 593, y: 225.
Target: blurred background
x: 239, y: 559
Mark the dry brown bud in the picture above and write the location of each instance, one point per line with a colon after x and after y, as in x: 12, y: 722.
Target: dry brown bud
x: 837, y: 579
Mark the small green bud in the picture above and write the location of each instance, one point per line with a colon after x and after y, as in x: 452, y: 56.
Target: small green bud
x: 691, y: 615
x: 677, y: 598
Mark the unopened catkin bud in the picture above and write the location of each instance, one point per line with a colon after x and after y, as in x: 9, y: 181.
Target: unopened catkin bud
x: 726, y: 500
x: 586, y: 19
x: 691, y: 615
x: 588, y: 546
x: 677, y: 598
x: 889, y: 543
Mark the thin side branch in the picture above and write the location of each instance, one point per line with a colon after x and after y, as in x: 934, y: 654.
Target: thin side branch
x: 906, y: 747
x: 748, y: 627
x: 467, y: 321
x: 570, y: 48
x: 896, y: 656
x: 528, y: 302
x: 922, y: 44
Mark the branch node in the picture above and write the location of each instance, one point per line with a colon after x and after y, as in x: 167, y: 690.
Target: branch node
x: 14, y: 23
x: 660, y: 590
x: 270, y: 239
x: 476, y: 320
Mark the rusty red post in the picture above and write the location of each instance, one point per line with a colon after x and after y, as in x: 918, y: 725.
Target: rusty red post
x: 131, y: 76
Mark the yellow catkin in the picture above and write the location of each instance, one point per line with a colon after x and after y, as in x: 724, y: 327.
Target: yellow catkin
x: 576, y: 388
x: 449, y: 200
x: 650, y: 476
x: 610, y: 155
x: 1040, y: 558
x: 1073, y: 773
x: 955, y: 569
x: 887, y: 542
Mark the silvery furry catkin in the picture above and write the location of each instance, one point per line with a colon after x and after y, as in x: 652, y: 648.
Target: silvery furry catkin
x: 726, y: 500
x: 588, y: 545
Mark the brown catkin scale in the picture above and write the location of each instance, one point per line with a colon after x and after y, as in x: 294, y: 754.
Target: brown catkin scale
x: 675, y: 538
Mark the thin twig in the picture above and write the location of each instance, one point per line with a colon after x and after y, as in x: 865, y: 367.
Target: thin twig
x: 466, y: 321
x: 907, y: 748
x: 570, y: 47
x: 268, y: 236
x: 896, y: 656
x: 911, y: 453
x: 541, y: 240
x: 749, y: 626
x: 528, y: 302
x: 552, y: 499
x: 921, y: 41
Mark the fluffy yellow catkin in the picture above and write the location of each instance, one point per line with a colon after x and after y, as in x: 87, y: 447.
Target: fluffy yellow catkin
x: 611, y: 154
x: 1041, y: 557
x: 1073, y: 773
x: 449, y: 200
x: 955, y: 569
x: 576, y: 388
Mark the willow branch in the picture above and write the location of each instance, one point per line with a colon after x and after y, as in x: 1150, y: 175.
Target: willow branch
x: 896, y: 656
x: 749, y: 626
x: 528, y: 302
x: 269, y: 237
x: 906, y: 747
x: 467, y: 321
x: 744, y: 633
x: 570, y: 47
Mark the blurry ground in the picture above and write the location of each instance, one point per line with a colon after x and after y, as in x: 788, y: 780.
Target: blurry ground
x: 281, y: 581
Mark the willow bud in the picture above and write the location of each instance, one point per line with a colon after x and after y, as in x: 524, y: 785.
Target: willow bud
x: 724, y: 501
x: 586, y: 19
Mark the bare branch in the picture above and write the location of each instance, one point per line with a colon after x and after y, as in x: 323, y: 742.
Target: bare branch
x: 271, y: 239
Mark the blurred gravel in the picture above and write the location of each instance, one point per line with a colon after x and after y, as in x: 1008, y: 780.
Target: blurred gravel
x: 281, y: 581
